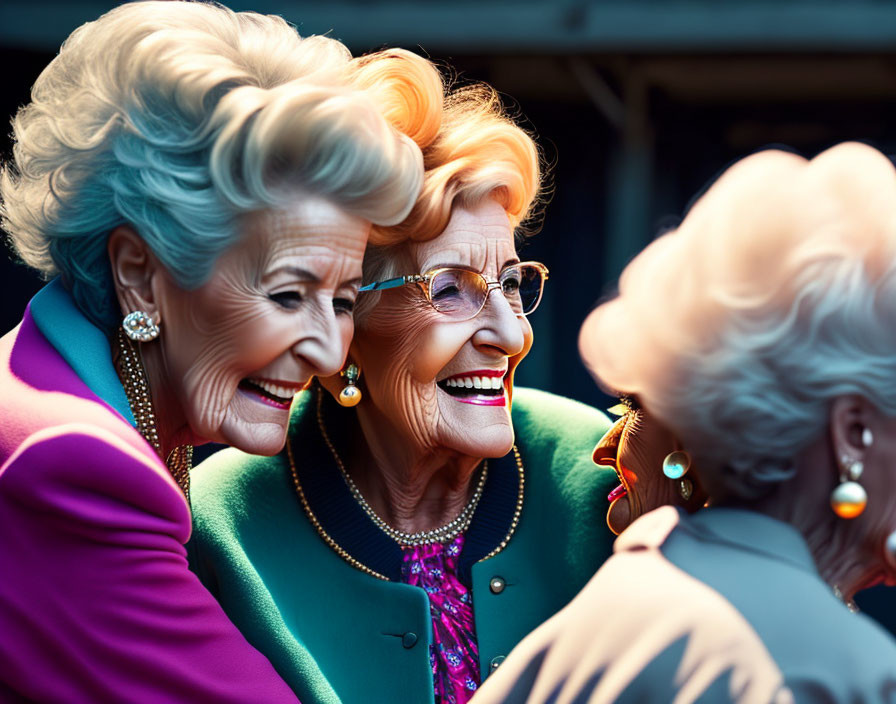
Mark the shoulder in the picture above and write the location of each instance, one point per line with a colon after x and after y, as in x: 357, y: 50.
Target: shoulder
x: 819, y: 646
x: 559, y: 434
x: 231, y: 472
x: 549, y: 417
x: 41, y: 396
x: 90, y: 475
x: 662, y: 632
x: 231, y: 482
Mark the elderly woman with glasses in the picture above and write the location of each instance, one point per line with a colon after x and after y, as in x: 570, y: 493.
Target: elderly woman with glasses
x: 201, y: 185
x: 417, y: 528
x: 761, y: 334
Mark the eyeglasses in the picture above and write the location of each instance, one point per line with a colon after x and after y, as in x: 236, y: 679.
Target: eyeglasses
x: 461, y: 293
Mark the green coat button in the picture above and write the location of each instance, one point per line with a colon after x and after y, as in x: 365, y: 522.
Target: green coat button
x: 496, y: 585
x: 497, y: 660
x: 409, y: 640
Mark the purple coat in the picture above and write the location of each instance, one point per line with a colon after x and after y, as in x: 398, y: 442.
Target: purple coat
x: 96, y: 601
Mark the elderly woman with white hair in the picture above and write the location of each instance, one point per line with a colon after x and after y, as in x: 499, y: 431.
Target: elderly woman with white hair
x: 202, y: 185
x: 762, y: 334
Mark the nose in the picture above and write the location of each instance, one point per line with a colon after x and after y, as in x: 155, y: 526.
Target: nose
x: 608, y: 446
x: 500, y: 327
x: 322, y: 342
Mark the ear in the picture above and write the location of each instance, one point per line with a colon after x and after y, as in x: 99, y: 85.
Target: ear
x: 134, y: 267
x: 852, y: 424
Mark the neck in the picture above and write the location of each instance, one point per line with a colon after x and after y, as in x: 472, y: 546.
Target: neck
x: 412, y: 489
x: 835, y: 543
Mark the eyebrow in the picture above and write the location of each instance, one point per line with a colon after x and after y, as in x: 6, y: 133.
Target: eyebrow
x: 305, y: 275
x: 295, y: 271
x: 509, y: 262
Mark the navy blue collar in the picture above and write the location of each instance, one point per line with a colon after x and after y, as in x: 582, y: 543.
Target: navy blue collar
x: 343, y: 519
x: 80, y: 343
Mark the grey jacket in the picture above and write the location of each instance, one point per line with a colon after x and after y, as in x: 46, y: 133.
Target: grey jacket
x: 723, y: 605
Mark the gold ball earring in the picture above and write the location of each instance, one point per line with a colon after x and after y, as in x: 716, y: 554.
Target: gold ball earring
x: 848, y: 499
x: 350, y: 394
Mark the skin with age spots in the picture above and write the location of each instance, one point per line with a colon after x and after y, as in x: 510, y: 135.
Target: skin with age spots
x: 276, y: 311
x: 422, y: 444
x: 635, y: 447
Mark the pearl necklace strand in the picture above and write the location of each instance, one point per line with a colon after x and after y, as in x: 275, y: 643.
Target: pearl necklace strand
x: 442, y: 534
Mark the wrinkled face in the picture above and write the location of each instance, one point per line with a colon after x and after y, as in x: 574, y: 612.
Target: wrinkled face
x: 416, y: 362
x: 276, y: 310
x: 635, y: 446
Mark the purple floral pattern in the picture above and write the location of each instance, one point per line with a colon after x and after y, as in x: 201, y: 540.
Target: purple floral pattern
x: 454, y: 654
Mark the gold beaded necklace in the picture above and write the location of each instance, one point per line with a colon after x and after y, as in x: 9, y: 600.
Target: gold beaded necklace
x: 442, y: 534
x: 398, y: 536
x: 136, y: 388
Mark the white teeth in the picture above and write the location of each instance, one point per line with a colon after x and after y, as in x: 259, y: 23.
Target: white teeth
x: 275, y: 389
x: 475, y: 382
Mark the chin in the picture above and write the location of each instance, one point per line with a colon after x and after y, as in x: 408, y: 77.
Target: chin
x: 619, y: 515
x: 493, y: 443
x: 265, y: 439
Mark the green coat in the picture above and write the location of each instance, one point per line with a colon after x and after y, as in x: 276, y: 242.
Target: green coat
x: 336, y: 633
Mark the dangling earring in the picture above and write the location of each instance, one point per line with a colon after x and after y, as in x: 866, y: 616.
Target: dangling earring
x: 890, y: 549
x: 350, y: 394
x: 848, y: 498
x: 676, y: 464
x: 139, y: 326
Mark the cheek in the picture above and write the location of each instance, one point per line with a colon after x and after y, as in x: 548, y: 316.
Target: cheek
x: 402, y: 353
x: 436, y: 345
x: 398, y: 341
x: 645, y: 476
x: 218, y: 345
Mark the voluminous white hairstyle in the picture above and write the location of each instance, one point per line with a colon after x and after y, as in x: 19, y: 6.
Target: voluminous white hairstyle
x: 180, y: 117
x: 775, y: 295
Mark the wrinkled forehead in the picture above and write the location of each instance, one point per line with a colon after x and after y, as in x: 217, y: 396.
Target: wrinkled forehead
x: 479, y: 237
x: 307, y: 227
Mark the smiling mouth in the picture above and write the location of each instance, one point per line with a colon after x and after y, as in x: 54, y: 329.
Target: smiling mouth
x: 481, y: 388
x: 278, y: 394
x: 617, y: 493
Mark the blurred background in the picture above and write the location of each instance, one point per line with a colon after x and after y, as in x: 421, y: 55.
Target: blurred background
x: 635, y: 103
